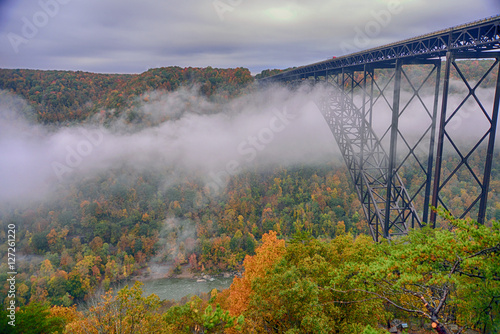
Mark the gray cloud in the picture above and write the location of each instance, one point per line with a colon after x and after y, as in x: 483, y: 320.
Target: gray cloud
x: 131, y: 36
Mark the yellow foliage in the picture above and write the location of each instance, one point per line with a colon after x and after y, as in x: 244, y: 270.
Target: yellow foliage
x: 46, y: 269
x: 125, y: 313
x: 68, y: 314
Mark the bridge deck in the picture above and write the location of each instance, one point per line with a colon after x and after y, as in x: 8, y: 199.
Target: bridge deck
x: 478, y: 36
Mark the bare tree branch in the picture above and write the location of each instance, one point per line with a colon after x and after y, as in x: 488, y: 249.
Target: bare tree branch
x: 352, y: 301
x: 442, y: 300
x: 379, y: 296
x: 486, y: 251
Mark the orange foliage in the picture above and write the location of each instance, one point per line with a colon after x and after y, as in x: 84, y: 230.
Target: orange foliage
x: 271, y: 250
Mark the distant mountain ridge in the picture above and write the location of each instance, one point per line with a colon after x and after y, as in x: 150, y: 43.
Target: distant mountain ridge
x: 62, y: 97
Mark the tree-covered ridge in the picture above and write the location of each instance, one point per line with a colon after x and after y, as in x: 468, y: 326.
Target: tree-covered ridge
x: 60, y: 96
x: 445, y: 278
x: 108, y: 227
x: 212, y: 81
x: 267, y: 73
x: 63, y: 97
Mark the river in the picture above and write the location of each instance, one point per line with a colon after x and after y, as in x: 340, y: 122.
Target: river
x: 176, y: 288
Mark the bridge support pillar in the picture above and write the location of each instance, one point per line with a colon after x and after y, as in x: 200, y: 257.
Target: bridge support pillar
x: 452, y: 129
x: 393, y: 149
x: 490, y: 150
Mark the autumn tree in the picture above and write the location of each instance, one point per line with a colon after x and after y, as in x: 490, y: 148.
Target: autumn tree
x: 255, y: 266
x: 127, y: 312
x: 295, y: 295
x: 34, y: 318
x: 446, y: 276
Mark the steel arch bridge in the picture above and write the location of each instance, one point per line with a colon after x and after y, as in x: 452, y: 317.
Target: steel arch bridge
x: 384, y: 123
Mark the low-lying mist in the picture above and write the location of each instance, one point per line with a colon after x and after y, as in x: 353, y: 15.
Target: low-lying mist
x: 186, y: 134
x: 191, y: 135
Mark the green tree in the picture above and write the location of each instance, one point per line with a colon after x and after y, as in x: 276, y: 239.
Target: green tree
x: 447, y: 276
x: 194, y: 317
x: 34, y: 319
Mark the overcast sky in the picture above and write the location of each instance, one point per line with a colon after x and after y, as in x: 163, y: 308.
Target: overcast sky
x: 131, y: 36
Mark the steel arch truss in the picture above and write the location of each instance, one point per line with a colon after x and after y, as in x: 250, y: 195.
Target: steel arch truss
x: 349, y: 111
x: 383, y: 112
x: 368, y: 165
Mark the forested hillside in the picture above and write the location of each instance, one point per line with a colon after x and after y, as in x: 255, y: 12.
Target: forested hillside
x: 63, y: 97
x: 107, y: 228
x: 294, y: 232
